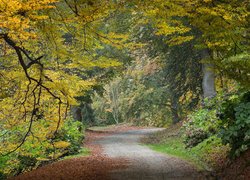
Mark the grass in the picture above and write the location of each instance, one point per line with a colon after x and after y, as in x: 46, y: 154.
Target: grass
x: 170, y: 142
x: 83, y: 152
x: 100, y: 128
x: 109, y: 127
x: 175, y: 147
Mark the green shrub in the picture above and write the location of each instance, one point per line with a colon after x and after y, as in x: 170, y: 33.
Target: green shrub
x: 236, y: 131
x: 28, y: 157
x: 34, y: 152
x: 26, y: 163
x: 2, y: 176
x: 199, y: 126
x: 227, y: 116
x: 8, y: 166
x: 72, y: 132
x: 194, y: 137
x: 212, y: 151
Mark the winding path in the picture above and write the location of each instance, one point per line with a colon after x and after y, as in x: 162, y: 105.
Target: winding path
x: 144, y: 163
x: 116, y: 155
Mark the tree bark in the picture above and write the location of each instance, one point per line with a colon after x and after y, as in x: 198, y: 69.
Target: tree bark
x: 174, y: 109
x: 208, y: 83
x: 76, y: 113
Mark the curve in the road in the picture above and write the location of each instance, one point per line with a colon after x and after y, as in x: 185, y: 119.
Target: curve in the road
x: 144, y: 163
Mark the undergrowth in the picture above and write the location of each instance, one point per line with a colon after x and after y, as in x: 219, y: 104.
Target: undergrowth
x: 205, y: 156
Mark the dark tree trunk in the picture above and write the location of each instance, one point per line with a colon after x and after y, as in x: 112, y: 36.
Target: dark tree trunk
x: 76, y: 113
x: 174, y: 110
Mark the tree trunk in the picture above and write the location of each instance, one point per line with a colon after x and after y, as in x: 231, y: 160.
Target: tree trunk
x: 208, y: 83
x: 114, y: 99
x: 76, y: 113
x: 174, y: 109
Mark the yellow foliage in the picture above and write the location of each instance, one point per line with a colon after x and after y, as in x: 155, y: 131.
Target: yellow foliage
x: 43, y: 70
x: 218, y: 22
x: 17, y: 17
x: 61, y: 144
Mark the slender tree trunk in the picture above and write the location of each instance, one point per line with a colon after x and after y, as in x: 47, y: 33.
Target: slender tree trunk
x: 174, y: 110
x: 114, y: 98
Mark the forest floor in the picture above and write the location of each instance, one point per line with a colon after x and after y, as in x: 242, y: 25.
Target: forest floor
x: 116, y: 153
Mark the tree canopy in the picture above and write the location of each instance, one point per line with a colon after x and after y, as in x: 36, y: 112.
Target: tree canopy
x: 135, y: 59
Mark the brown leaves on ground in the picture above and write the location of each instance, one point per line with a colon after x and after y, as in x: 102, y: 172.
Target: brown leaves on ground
x: 238, y: 168
x: 88, y: 168
x: 94, y: 167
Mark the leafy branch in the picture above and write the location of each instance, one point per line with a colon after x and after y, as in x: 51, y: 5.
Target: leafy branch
x: 20, y: 52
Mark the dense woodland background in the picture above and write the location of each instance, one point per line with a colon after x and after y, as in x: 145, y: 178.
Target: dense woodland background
x: 66, y: 65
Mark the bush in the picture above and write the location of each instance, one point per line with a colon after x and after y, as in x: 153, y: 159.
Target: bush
x: 2, y: 176
x: 26, y: 163
x: 72, y: 132
x: 236, y: 131
x: 194, y: 137
x: 199, y: 126
x: 8, y: 166
x: 34, y: 152
x: 226, y: 116
x: 212, y: 151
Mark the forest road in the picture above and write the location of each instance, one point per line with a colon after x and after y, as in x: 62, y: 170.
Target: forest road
x: 144, y: 163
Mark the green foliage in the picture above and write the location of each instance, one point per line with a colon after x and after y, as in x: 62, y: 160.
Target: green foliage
x: 180, y: 70
x: 2, y: 176
x: 226, y: 116
x: 135, y: 97
x: 237, y: 132
x: 26, y: 162
x: 170, y: 142
x: 72, y: 132
x: 194, y: 137
x: 52, y: 51
x: 160, y: 86
x: 212, y: 151
x: 223, y: 28
x: 174, y: 146
x: 32, y: 153
x: 81, y: 153
x: 237, y: 67
x: 199, y: 126
x: 7, y: 165
x: 208, y: 154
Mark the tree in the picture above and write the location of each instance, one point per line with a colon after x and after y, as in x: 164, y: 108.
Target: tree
x: 46, y: 47
x: 222, y: 26
x: 180, y: 70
